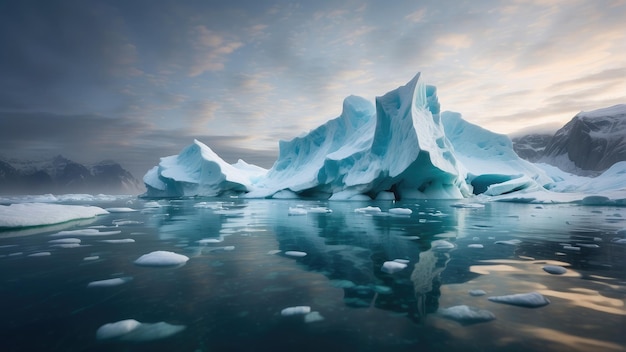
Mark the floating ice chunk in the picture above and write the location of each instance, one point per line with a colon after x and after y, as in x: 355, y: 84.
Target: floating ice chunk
x: 274, y: 251
x: 441, y: 245
x: 475, y: 245
x: 477, y: 293
x: 528, y: 300
x: 403, y: 261
x: 400, y: 211
x: 587, y: 245
x: 86, y: 232
x: 91, y: 257
x: 466, y: 315
x: 162, y: 259
x: 67, y: 245
x: 40, y: 254
x: 468, y: 205
x: 123, y: 240
x: 572, y: 248
x: 295, y: 253
x: 295, y: 310
x: 206, y: 241
x: 65, y: 240
x: 110, y: 282
x: 222, y: 249
x: 39, y: 214
x: 509, y: 242
x: 297, y: 211
x: 121, y: 210
x: 151, y: 204
x: 368, y: 210
x: 132, y: 330
x: 320, y: 210
x: 126, y: 222
x: 391, y: 267
x: 554, y: 269
x: 313, y: 317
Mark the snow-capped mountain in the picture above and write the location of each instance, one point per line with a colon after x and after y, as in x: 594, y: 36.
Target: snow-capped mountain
x: 61, y: 175
x: 591, y: 141
x: 531, y: 147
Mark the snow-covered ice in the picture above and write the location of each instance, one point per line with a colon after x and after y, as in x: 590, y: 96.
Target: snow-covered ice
x: 40, y: 254
x: 368, y: 210
x: 121, y: 240
x: 466, y: 315
x: 477, y: 292
x: 85, y: 232
x: 65, y: 241
x: 132, y: 330
x: 121, y: 210
x: 529, y: 300
x: 554, y: 269
x: 295, y: 253
x: 441, y: 245
x: 39, y: 214
x: 161, y: 259
x: 400, y: 211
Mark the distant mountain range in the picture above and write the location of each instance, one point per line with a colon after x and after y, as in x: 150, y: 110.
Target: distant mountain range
x: 587, y: 145
x: 61, y: 175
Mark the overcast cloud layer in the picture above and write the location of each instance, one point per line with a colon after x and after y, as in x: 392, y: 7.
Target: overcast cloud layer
x: 136, y: 80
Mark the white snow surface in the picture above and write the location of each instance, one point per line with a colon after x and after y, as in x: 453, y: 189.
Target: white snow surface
x: 39, y: 214
x: 400, y: 147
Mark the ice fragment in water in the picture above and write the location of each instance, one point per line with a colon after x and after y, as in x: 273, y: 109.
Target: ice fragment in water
x: 529, y: 300
x: 110, y: 282
x: 123, y: 240
x: 391, y: 267
x: 466, y: 315
x: 92, y: 257
x: 120, y: 210
x: 441, y: 245
x: 400, y: 211
x: 85, y: 232
x: 509, y: 242
x: 40, y: 254
x: 477, y: 293
x: 295, y: 253
x: 297, y: 211
x: 295, y: 310
x: 320, y: 210
x: 161, y: 259
x: 132, y: 330
x: 475, y: 245
x: 554, y: 269
x: 368, y: 210
x: 65, y: 240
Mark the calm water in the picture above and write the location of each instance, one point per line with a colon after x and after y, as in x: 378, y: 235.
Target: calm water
x: 230, y: 294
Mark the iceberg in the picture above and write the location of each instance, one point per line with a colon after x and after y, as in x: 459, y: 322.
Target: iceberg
x: 399, y: 147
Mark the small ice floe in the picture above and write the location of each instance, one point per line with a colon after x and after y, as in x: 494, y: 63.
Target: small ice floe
x: 274, y: 251
x: 476, y: 293
x: 528, y: 300
x: 85, y: 232
x: 162, y: 259
x: 509, y: 242
x: 468, y: 205
x: 123, y: 240
x: 554, y: 269
x: 151, y: 204
x: 297, y: 310
x: 587, y: 245
x: 313, y: 317
x: 320, y: 210
x: 403, y: 261
x: 571, y: 248
x: 466, y: 315
x: 132, y: 330
x: 206, y: 241
x: 65, y: 241
x: 91, y: 257
x: 220, y: 249
x: 110, y: 282
x: 368, y: 210
x: 441, y: 245
x: 475, y: 245
x: 295, y: 253
x: 124, y: 222
x: 297, y: 211
x: 391, y: 267
x: 40, y: 254
x: 400, y: 211
x: 121, y: 210
x: 66, y: 245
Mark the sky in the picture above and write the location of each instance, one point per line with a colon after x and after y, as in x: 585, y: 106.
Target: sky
x: 137, y: 80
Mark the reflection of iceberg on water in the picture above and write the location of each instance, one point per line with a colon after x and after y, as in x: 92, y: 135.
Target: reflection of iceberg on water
x: 426, y: 280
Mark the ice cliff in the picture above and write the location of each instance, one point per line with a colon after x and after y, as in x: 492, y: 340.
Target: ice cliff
x: 401, y: 147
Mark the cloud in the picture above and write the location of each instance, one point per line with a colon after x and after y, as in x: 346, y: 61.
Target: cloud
x: 212, y: 50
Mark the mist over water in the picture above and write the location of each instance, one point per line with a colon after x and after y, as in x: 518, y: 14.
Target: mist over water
x: 249, y: 260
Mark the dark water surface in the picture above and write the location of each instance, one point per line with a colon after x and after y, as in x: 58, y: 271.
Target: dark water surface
x: 230, y: 294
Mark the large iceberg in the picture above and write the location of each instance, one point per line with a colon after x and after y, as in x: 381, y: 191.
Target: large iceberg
x: 401, y: 147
